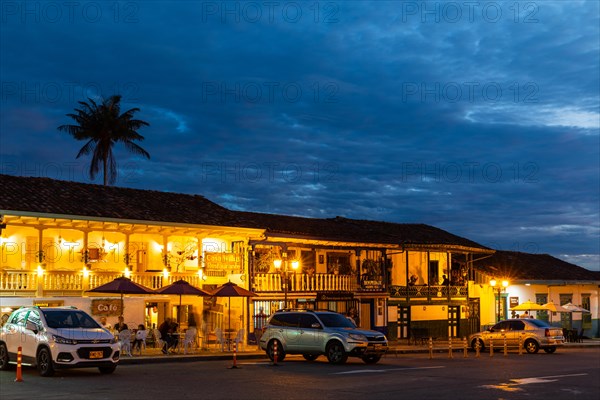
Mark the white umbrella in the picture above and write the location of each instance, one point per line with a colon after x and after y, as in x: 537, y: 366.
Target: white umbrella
x: 573, y: 308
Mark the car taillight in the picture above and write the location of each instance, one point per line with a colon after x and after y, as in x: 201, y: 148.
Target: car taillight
x: 547, y: 332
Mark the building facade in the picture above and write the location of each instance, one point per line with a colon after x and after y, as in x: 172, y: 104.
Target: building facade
x: 61, y: 239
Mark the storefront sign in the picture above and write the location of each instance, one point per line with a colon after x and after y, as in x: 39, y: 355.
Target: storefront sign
x: 334, y: 296
x: 371, y: 284
x: 107, y: 307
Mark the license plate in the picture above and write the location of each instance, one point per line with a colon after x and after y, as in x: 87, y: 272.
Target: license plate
x: 96, y: 354
x: 376, y: 346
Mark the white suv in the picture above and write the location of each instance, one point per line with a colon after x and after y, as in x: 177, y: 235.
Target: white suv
x: 52, y: 338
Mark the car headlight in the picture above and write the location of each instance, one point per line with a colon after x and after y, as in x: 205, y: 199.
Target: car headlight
x: 114, y: 340
x: 63, y: 340
x: 356, y: 336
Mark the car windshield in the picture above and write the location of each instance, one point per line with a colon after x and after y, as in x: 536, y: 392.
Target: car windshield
x: 69, y: 319
x: 336, y: 321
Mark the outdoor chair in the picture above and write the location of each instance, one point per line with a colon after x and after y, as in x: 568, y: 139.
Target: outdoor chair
x: 220, y: 338
x: 239, y: 339
x: 189, y: 340
x: 158, y: 342
x: 141, y: 335
x: 125, y: 341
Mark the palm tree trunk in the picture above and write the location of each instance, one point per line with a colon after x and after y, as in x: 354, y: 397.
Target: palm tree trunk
x: 105, y: 163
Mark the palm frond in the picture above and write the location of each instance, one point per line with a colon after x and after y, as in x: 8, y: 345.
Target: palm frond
x: 136, y: 149
x: 87, y: 148
x: 102, y: 125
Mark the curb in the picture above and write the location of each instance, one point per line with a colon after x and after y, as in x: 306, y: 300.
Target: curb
x: 262, y: 356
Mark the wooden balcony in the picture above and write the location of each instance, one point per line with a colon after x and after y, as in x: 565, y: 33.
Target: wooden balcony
x: 273, y: 283
x: 429, y: 293
x: 72, y: 283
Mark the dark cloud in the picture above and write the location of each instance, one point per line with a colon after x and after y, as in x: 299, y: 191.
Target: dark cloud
x: 482, y: 123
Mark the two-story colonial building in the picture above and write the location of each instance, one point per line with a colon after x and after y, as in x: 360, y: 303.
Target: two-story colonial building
x: 60, y: 239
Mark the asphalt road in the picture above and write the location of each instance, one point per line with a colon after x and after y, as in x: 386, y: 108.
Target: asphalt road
x: 567, y: 374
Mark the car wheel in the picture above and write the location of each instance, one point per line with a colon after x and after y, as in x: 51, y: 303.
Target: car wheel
x: 550, y: 349
x: 4, y: 365
x: 531, y: 346
x: 336, y: 353
x: 107, y: 370
x: 44, y: 362
x: 310, y: 357
x: 371, y: 359
x: 474, y: 345
x: 271, y: 350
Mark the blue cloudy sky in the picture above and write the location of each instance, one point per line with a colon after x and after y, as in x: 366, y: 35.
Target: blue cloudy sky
x: 481, y: 118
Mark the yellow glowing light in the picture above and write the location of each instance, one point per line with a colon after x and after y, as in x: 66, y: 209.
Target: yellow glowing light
x: 40, y: 270
x: 295, y: 264
x: 277, y: 263
x: 86, y: 272
x: 165, y: 272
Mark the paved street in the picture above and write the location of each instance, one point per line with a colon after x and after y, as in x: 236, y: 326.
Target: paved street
x: 572, y: 373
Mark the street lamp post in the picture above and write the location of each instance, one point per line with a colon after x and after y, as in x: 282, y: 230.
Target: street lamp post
x: 277, y: 263
x: 498, y: 287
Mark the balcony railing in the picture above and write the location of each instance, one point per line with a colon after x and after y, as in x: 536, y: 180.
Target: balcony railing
x: 18, y: 281
x: 304, y: 283
x: 425, y: 292
x: 71, y: 282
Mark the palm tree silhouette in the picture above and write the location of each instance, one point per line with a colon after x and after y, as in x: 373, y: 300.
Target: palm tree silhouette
x: 102, y: 126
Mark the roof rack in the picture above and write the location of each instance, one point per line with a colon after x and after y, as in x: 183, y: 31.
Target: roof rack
x: 305, y: 309
x: 294, y: 309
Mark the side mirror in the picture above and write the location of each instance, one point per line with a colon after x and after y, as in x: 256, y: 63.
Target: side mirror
x: 32, y: 327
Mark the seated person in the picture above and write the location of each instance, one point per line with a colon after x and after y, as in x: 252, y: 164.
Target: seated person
x: 121, y: 325
x: 445, y: 280
x: 140, y: 337
x: 167, y: 333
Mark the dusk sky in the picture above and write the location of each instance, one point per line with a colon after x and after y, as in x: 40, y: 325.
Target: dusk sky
x: 481, y: 118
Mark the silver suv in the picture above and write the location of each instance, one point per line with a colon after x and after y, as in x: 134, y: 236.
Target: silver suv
x: 61, y: 337
x: 313, y: 333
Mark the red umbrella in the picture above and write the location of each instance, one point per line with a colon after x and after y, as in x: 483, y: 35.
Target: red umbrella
x: 122, y: 285
x: 182, y: 287
x: 230, y: 290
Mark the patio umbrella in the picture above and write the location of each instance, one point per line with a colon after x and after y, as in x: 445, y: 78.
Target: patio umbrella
x: 528, y: 306
x: 550, y: 306
x: 182, y: 287
x: 122, y: 285
x: 230, y: 290
x: 573, y: 308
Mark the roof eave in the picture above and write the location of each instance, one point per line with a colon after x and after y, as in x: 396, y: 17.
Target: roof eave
x: 249, y: 231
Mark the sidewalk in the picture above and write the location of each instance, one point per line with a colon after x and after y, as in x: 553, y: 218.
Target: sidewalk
x: 154, y: 355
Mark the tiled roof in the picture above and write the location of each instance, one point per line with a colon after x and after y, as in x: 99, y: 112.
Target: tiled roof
x: 353, y: 230
x: 526, y: 266
x: 49, y: 196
